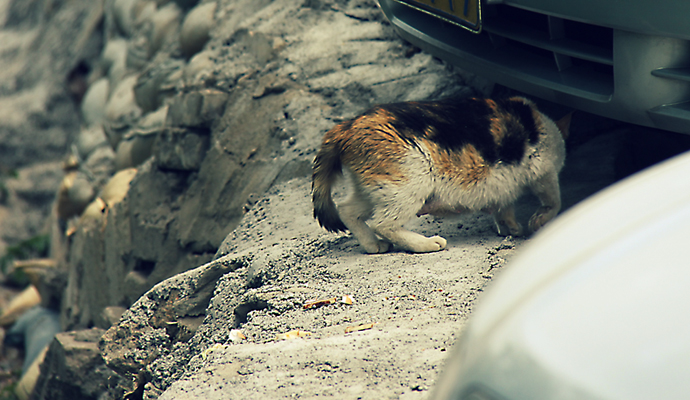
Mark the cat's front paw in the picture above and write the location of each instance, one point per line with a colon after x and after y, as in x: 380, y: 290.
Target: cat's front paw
x: 541, y: 217
x: 508, y: 229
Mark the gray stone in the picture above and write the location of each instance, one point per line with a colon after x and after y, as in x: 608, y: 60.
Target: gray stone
x: 133, y: 150
x: 196, y: 28
x: 198, y: 108
x: 93, y: 109
x: 89, y: 139
x: 121, y: 109
x: 114, y: 62
x: 100, y: 165
x: 73, y: 368
x: 74, y: 194
x: 164, y: 316
x: 110, y: 316
x: 153, y: 84
x: 85, y: 294
x: 200, y: 69
x: 34, y: 330
x: 122, y: 12
x: 154, y: 252
x: 181, y: 149
x: 165, y: 22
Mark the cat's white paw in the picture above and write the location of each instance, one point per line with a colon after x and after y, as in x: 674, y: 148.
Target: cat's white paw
x: 441, y: 242
x: 428, y: 245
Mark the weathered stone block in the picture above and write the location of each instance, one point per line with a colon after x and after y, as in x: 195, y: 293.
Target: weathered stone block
x: 198, y: 108
x: 180, y: 149
x: 73, y: 368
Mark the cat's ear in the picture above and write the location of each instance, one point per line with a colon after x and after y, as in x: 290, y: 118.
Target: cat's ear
x: 563, y: 124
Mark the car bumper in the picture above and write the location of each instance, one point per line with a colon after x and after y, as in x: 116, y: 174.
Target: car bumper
x: 614, y: 71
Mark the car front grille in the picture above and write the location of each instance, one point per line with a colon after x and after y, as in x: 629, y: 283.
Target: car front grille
x: 570, y: 53
x: 645, y: 81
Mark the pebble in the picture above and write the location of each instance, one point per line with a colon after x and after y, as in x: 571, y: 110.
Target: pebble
x: 196, y: 27
x: 74, y: 195
x: 93, y: 104
x: 90, y: 138
x: 114, y: 59
x: 155, y: 83
x: 121, y: 108
x: 165, y: 21
x: 117, y: 187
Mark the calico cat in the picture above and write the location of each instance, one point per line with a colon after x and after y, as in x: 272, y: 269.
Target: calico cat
x: 438, y: 157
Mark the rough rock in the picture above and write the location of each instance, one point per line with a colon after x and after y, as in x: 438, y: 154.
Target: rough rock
x: 405, y: 310
x: 181, y: 149
x: 199, y: 108
x: 73, y: 368
x: 134, y: 342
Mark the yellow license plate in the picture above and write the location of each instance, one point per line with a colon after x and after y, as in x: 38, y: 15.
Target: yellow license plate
x: 465, y: 13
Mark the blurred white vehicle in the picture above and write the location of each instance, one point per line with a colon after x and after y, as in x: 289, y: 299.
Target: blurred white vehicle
x: 597, y: 306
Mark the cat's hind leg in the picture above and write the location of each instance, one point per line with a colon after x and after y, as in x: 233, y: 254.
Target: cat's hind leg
x: 411, y: 241
x: 353, y: 212
x: 387, y: 221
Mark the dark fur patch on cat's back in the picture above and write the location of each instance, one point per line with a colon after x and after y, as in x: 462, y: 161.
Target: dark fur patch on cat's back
x: 524, y: 114
x: 456, y: 123
x: 520, y: 127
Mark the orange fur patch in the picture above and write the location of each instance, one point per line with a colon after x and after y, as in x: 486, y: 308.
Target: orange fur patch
x: 466, y: 167
x: 370, y: 147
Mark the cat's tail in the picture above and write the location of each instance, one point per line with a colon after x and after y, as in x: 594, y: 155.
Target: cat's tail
x: 327, y: 168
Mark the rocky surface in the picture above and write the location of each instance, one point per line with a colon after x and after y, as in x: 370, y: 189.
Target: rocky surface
x: 143, y: 137
x: 73, y: 367
x: 409, y: 307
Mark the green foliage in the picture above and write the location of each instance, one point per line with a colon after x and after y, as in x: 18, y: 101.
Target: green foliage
x: 35, y: 247
x: 8, y: 383
x: 7, y: 392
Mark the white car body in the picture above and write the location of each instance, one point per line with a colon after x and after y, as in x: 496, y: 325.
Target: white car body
x: 597, y: 306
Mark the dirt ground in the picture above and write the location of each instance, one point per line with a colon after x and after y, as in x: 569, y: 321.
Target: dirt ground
x: 409, y: 308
